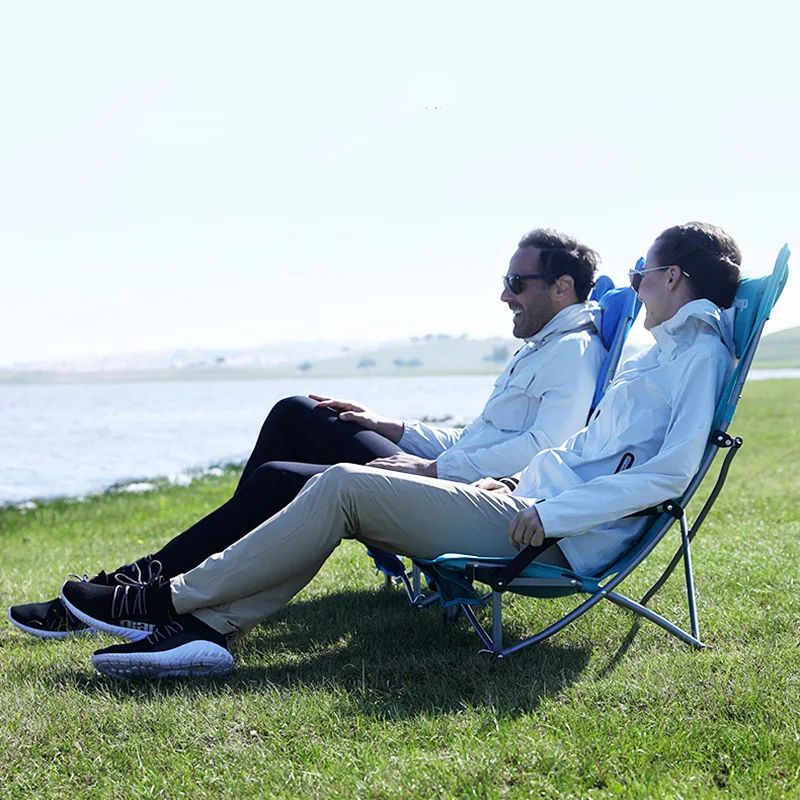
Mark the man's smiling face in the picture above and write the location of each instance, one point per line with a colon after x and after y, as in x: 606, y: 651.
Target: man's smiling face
x: 533, y: 307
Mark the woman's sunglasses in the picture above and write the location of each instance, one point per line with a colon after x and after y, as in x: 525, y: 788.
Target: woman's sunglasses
x: 635, y: 275
x: 514, y: 282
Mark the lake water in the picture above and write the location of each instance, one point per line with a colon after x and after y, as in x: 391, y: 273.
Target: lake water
x: 76, y: 439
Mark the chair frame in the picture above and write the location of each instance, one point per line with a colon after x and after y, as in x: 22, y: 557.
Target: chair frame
x: 599, y: 591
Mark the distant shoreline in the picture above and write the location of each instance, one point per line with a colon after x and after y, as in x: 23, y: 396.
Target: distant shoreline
x: 31, y: 378
x: 422, y: 357
x: 141, y: 485
x: 12, y: 377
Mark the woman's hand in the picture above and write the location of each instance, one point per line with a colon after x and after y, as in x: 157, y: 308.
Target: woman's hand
x: 526, y: 528
x: 392, y: 429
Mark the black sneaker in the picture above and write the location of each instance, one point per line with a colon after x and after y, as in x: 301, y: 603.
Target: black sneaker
x: 185, y: 647
x: 50, y: 620
x: 46, y: 620
x: 131, y: 609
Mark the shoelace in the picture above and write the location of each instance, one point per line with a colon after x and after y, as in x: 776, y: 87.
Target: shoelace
x: 130, y: 596
x: 154, y: 570
x: 165, y: 631
x: 135, y: 571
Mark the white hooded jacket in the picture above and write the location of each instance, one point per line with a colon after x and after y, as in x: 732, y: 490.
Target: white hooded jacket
x: 542, y: 397
x: 643, y: 444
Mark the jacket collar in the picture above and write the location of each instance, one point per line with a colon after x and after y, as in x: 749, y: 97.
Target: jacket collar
x: 575, y: 317
x: 690, y: 322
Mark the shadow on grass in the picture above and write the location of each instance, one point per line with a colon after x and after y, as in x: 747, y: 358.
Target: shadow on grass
x: 622, y: 649
x: 389, y: 660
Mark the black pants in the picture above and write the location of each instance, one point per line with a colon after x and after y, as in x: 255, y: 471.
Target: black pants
x: 297, y: 440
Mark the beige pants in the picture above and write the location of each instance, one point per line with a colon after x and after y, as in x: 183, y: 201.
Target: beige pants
x: 234, y: 590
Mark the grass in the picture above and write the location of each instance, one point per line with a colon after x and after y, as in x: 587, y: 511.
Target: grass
x: 349, y: 693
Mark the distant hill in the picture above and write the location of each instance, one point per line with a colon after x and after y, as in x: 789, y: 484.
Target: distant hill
x: 425, y: 356
x: 779, y: 350
x: 432, y: 354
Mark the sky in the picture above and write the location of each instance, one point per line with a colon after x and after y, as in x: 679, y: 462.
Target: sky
x: 196, y: 174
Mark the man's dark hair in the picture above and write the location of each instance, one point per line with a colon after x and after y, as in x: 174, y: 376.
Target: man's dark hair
x: 709, y: 256
x: 562, y: 255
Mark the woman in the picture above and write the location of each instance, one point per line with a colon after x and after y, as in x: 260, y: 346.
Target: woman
x: 641, y: 447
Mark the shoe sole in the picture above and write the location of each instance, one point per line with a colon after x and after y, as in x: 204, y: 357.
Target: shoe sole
x: 131, y: 634
x: 39, y: 633
x: 199, y: 659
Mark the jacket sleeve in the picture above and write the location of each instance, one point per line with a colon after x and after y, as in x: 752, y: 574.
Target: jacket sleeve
x: 664, y: 476
x: 427, y: 441
x: 564, y: 387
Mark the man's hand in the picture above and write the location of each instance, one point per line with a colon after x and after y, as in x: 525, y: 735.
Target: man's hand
x: 526, y: 529
x: 392, y: 429
x: 491, y: 485
x: 405, y: 462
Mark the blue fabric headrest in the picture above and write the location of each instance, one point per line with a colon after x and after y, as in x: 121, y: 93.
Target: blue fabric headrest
x: 755, y: 298
x: 602, y: 285
x: 615, y: 304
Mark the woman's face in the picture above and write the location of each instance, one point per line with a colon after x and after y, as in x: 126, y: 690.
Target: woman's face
x: 655, y: 289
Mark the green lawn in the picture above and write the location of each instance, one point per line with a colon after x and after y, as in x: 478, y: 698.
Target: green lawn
x: 350, y: 693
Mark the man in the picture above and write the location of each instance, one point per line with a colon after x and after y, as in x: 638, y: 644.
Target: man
x: 642, y: 446
x: 541, y: 398
x: 541, y: 395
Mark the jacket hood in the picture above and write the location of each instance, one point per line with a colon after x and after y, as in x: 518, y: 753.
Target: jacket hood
x: 691, y: 321
x: 576, y: 317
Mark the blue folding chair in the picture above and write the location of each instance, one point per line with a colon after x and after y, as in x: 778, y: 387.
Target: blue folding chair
x: 619, y: 310
x: 455, y: 574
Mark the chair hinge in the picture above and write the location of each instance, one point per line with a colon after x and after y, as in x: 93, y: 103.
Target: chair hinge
x: 497, y: 581
x: 723, y: 439
x: 672, y: 508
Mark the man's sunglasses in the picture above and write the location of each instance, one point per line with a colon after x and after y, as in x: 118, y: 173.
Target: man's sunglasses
x: 514, y: 282
x: 635, y: 275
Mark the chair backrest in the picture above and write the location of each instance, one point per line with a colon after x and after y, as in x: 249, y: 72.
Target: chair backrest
x: 754, y: 301
x: 620, y: 307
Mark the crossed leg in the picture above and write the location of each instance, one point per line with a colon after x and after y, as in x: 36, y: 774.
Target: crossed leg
x: 234, y: 590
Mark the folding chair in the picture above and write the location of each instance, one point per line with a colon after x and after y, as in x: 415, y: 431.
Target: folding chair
x: 454, y: 574
x: 619, y: 310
